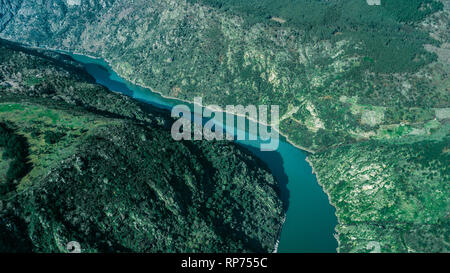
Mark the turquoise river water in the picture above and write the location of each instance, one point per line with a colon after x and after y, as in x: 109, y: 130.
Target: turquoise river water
x: 310, y: 219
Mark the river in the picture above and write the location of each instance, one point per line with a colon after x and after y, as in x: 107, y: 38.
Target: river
x: 310, y: 219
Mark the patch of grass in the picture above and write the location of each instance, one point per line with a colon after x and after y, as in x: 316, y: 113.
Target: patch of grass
x: 50, y: 132
x: 32, y: 81
x: 5, y: 107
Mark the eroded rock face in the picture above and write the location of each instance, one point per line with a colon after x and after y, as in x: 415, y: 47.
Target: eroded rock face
x: 73, y: 2
x: 7, y: 11
x: 374, y: 2
x: 238, y: 55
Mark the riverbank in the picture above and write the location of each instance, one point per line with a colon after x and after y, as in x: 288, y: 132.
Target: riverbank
x: 286, y: 137
x: 336, y: 236
x: 305, y: 205
x: 310, y: 221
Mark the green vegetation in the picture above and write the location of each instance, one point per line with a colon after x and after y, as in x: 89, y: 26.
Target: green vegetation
x: 32, y: 81
x: 310, y: 13
x: 411, y: 10
x: 53, y: 137
x: 396, y: 195
x: 15, y: 151
x: 107, y: 173
x: 387, y: 44
x: 355, y: 83
x: 301, y: 54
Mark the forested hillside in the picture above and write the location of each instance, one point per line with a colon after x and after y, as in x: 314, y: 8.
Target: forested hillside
x: 345, y: 74
x: 306, y: 56
x: 80, y: 163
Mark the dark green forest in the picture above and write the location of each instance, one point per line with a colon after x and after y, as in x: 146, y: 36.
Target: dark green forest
x: 390, y: 42
x: 15, y: 149
x: 364, y: 88
x: 107, y: 173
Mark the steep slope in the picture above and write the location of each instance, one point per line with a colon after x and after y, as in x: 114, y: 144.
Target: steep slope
x: 346, y: 74
x: 231, y: 52
x: 105, y: 172
x: 390, y: 197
